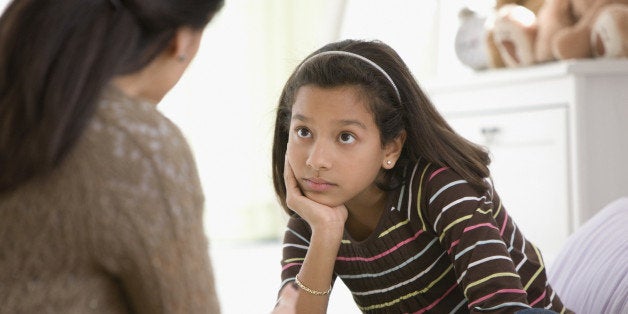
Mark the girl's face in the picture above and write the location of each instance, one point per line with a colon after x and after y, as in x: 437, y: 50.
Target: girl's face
x: 334, y: 146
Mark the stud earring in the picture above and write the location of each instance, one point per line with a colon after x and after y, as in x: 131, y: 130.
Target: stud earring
x: 181, y: 58
x: 388, y: 162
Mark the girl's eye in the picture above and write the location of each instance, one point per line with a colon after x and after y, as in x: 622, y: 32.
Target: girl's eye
x: 346, y: 138
x: 303, y: 132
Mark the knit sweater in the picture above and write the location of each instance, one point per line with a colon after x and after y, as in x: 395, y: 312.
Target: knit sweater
x: 439, y: 247
x: 115, y: 228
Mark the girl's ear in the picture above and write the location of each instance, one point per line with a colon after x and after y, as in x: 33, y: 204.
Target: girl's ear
x: 392, y: 150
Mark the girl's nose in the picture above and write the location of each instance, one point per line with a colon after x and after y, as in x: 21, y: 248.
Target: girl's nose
x: 319, y: 157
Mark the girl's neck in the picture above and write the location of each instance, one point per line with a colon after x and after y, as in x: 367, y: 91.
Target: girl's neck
x: 365, y: 211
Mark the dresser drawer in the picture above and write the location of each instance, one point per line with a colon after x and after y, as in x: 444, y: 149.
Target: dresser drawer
x: 529, y: 168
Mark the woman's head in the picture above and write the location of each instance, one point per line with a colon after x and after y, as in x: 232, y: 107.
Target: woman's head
x: 398, y: 105
x: 56, y: 56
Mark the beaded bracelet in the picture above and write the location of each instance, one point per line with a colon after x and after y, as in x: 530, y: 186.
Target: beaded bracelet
x: 308, y: 290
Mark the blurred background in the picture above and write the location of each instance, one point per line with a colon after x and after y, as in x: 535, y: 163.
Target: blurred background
x: 225, y: 106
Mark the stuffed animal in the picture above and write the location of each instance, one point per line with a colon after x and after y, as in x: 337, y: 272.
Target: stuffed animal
x: 609, y: 36
x: 562, y: 29
x: 510, y: 32
x: 593, y: 28
x: 470, y: 39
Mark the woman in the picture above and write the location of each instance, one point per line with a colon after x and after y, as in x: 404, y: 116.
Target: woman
x: 100, y: 202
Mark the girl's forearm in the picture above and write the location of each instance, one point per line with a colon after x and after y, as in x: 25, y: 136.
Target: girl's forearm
x: 317, y: 270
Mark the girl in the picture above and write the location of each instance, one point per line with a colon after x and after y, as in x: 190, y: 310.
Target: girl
x: 100, y: 202
x: 384, y: 195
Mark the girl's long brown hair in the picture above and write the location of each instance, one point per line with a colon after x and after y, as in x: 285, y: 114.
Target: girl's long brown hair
x: 428, y: 135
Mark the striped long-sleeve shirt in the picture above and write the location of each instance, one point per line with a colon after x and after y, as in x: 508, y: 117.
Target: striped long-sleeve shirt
x: 439, y: 247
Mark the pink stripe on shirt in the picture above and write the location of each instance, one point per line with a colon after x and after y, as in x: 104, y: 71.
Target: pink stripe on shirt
x: 486, y: 224
x: 437, y: 171
x: 290, y: 265
x: 451, y: 247
x: 454, y: 243
x: 429, y: 307
x: 488, y: 296
x: 368, y: 259
x: 501, y: 233
x: 539, y: 298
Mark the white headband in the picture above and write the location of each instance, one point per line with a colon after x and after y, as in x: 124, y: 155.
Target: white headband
x: 354, y: 55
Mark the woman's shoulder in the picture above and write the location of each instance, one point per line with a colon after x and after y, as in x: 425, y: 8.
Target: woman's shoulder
x: 136, y: 130
x: 138, y: 121
x: 130, y: 147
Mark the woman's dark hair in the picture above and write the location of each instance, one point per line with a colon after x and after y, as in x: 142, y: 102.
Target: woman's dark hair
x: 56, y: 57
x: 428, y: 135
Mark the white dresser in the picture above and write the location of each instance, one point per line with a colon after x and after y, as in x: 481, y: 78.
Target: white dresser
x: 558, y: 136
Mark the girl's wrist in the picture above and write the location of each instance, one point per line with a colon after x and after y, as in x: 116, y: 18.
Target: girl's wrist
x: 333, y: 225
x: 328, y: 234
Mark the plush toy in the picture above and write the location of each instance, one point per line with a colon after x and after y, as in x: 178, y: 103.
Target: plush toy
x: 586, y: 28
x: 511, y: 31
x: 470, y: 39
x: 609, y: 37
x: 562, y: 29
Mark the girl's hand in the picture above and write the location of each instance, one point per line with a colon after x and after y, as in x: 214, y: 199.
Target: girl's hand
x: 320, y: 217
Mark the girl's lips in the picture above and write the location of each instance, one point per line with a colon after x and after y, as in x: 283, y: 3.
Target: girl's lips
x: 317, y: 185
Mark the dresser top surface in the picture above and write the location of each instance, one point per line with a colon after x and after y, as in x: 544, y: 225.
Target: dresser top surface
x: 546, y: 71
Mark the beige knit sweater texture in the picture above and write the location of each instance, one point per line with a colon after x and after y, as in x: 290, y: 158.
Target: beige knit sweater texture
x: 116, y: 228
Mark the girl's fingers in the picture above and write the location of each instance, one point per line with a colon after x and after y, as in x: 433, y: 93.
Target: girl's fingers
x: 288, y: 175
x: 292, y: 188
